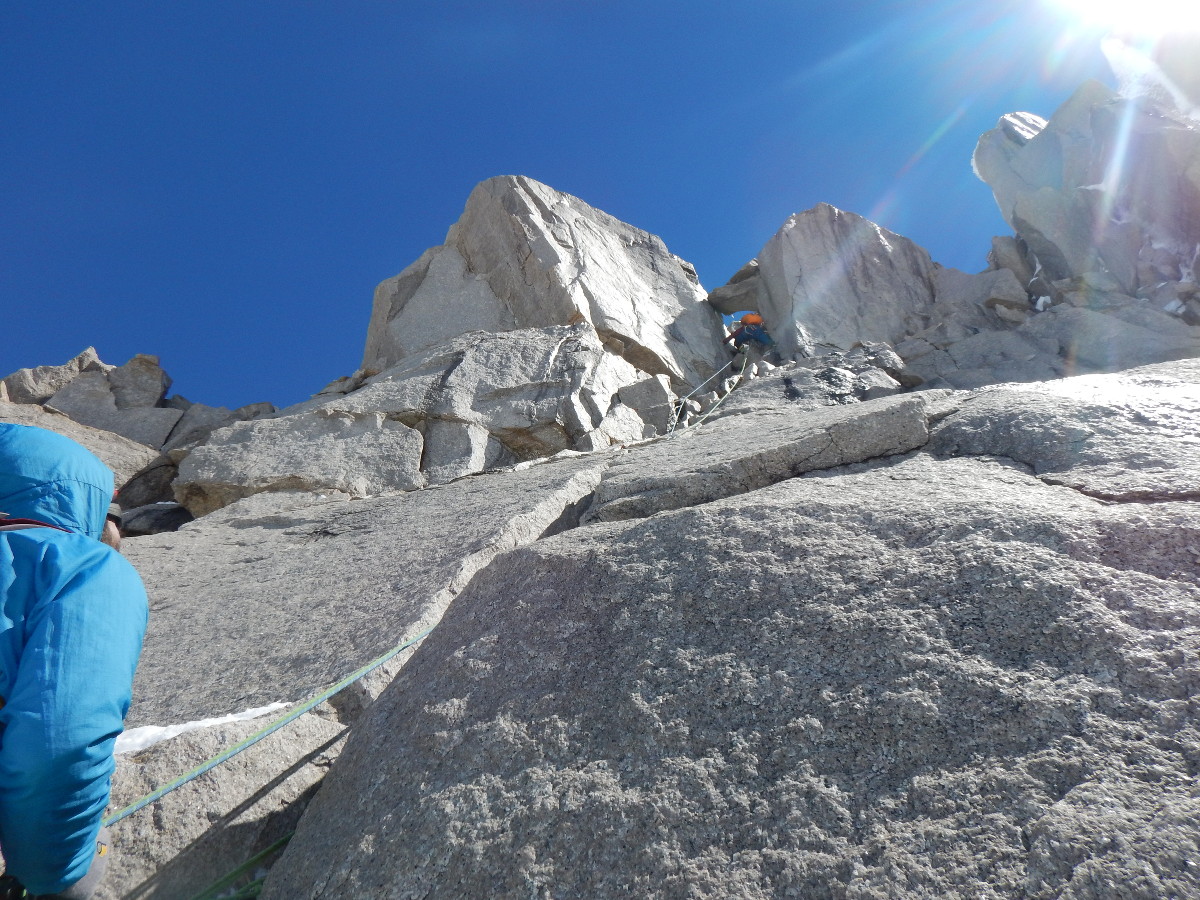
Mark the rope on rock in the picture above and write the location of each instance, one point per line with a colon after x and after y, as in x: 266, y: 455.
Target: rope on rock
x: 262, y: 733
x: 682, y: 400
x: 225, y: 881
x: 713, y: 408
x: 679, y: 411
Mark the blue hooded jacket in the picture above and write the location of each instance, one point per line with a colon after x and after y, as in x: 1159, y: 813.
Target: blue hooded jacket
x: 72, y: 616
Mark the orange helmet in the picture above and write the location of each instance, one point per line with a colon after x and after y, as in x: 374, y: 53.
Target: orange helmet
x: 752, y: 319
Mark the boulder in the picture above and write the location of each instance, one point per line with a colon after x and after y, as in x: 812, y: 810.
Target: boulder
x: 867, y: 372
x: 39, y: 384
x: 966, y: 298
x: 1009, y: 252
x: 480, y: 402
x: 652, y: 399
x: 830, y: 277
x: 903, y: 678
x: 526, y: 256
x: 325, y: 449
x: 739, y: 294
x: 140, y: 382
x: 125, y: 457
x: 91, y: 400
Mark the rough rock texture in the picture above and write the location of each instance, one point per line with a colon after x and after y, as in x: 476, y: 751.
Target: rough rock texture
x: 1090, y: 433
x: 209, y: 827
x: 321, y: 450
x: 278, y: 595
x: 868, y: 372
x: 918, y: 676
x: 737, y: 454
x: 125, y: 457
x: 122, y: 399
x: 740, y: 293
x: 482, y: 401
x: 526, y: 256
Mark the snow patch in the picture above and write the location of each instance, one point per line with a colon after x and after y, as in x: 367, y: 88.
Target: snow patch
x: 136, y: 740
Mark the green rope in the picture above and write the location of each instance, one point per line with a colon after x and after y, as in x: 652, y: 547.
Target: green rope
x: 259, y: 735
x: 210, y: 892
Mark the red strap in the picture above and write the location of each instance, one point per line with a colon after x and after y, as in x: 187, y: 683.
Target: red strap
x: 4, y: 522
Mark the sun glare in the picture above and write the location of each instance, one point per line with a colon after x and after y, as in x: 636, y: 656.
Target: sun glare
x: 1147, y: 18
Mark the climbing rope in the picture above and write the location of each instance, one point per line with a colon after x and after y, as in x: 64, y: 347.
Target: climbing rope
x: 679, y: 410
x: 737, y: 381
x: 248, y: 890
x: 262, y: 733
x: 683, y: 400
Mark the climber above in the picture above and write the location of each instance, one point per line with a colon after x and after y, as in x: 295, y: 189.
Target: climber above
x: 72, y: 616
x: 751, y: 334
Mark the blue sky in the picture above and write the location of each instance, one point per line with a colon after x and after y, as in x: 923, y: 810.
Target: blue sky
x: 224, y: 183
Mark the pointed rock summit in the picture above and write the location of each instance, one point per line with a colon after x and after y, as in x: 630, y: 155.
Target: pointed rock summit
x: 524, y: 255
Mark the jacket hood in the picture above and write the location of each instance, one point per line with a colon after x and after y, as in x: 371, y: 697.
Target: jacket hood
x: 48, y: 477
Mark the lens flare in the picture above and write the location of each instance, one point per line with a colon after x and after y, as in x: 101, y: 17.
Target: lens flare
x: 1145, y: 17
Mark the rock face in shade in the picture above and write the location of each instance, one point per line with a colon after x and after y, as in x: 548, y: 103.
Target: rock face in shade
x: 526, y: 256
x: 210, y: 827
x: 909, y: 677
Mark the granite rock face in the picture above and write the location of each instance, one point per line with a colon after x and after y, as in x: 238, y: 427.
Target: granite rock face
x: 830, y: 277
x: 481, y: 401
x: 526, y: 256
x: 303, y: 589
x: 705, y: 627
x: 209, y: 827
x: 322, y: 450
x: 943, y: 672
x: 1110, y: 184
x: 830, y: 280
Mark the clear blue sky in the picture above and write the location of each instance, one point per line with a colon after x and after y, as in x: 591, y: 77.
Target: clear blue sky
x: 224, y: 183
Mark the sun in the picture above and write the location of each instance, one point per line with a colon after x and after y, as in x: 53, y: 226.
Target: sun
x: 1140, y: 18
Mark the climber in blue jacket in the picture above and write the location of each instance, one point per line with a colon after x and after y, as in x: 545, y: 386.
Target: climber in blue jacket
x: 72, y: 616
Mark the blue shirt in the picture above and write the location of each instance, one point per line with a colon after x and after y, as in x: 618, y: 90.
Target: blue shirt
x: 72, y: 616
